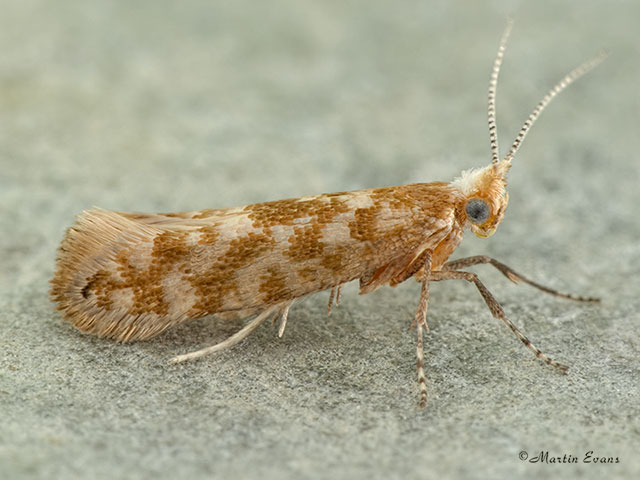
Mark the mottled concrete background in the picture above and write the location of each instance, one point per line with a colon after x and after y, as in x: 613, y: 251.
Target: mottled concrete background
x: 167, y: 106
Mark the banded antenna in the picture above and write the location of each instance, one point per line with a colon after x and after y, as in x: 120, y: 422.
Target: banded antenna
x: 493, y: 84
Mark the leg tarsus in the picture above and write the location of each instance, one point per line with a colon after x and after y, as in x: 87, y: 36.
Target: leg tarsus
x: 422, y: 383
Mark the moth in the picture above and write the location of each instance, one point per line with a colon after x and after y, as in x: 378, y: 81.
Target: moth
x: 131, y: 276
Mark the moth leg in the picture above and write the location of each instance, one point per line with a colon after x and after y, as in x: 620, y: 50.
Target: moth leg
x: 331, y: 297
x: 496, y: 311
x: 512, y: 275
x: 336, y: 292
x: 229, y: 342
x: 422, y: 383
x: 283, y: 319
x: 420, y: 321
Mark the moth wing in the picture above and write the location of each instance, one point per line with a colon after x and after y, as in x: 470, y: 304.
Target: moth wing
x: 130, y: 276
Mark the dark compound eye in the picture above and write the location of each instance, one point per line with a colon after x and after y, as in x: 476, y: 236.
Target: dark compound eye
x: 478, y: 210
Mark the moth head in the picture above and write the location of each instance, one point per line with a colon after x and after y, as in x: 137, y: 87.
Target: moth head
x: 484, y: 197
x: 483, y: 191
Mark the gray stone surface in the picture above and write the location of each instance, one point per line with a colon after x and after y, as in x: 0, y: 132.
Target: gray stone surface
x: 161, y: 106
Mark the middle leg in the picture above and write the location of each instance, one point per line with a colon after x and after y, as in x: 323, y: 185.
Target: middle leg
x: 496, y: 311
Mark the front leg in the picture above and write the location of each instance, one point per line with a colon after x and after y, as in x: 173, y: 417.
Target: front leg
x: 511, y: 275
x: 420, y: 321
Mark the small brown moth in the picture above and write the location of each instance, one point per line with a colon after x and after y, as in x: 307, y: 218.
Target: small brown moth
x: 130, y: 276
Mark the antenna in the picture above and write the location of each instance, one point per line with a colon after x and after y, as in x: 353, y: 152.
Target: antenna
x: 493, y: 85
x: 561, y: 85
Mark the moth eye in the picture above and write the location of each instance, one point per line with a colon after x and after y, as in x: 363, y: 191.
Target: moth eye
x: 478, y: 210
